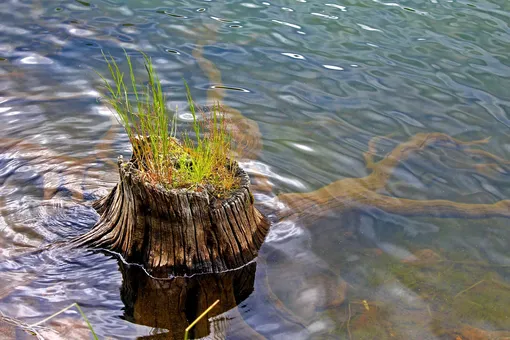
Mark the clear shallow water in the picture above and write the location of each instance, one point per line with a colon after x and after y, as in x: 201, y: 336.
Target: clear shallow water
x: 319, y: 80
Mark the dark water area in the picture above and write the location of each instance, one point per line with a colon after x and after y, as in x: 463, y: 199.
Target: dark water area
x: 418, y: 250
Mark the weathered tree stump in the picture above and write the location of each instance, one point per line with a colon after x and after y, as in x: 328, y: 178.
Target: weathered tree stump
x: 177, y: 232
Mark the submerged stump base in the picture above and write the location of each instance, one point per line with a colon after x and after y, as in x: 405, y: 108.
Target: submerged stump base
x: 174, y: 304
x: 177, y: 232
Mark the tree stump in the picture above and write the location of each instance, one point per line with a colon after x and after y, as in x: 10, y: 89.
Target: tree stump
x: 177, y: 232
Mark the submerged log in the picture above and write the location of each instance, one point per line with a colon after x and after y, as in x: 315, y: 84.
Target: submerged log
x: 177, y: 232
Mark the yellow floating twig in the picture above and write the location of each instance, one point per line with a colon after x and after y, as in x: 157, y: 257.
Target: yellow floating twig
x: 186, y: 332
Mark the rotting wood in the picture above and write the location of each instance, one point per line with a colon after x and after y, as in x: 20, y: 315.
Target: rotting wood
x: 177, y: 232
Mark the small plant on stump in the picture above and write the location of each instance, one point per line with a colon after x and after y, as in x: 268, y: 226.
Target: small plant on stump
x: 205, y: 160
x: 181, y: 206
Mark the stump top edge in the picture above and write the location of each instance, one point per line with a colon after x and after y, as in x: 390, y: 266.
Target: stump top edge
x: 128, y: 169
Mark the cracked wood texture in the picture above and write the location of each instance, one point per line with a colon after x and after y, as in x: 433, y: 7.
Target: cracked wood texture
x: 176, y: 232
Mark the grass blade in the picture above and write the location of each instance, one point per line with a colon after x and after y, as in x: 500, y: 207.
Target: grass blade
x: 62, y: 311
x: 186, y: 332
x: 200, y: 160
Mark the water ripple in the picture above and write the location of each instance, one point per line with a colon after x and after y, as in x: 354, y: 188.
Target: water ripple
x: 320, y: 80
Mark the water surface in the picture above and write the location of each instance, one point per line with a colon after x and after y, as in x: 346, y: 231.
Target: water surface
x: 318, y: 80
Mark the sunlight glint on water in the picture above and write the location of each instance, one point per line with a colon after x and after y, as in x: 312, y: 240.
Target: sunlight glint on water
x: 320, y: 80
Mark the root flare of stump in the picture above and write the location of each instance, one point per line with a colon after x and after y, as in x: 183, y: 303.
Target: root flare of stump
x: 177, y: 232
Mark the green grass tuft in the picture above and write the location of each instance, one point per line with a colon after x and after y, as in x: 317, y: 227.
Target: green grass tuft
x: 203, y: 159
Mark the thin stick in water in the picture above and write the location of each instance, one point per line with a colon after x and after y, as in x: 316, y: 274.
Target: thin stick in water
x: 349, y: 322
x: 186, y: 335
x: 469, y: 288
x: 62, y: 311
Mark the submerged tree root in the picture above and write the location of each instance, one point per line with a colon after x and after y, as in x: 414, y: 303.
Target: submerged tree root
x: 352, y: 193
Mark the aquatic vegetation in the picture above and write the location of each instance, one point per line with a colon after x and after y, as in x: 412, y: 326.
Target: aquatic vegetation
x: 203, y: 158
x: 425, y: 299
x: 39, y: 331
x: 449, y: 293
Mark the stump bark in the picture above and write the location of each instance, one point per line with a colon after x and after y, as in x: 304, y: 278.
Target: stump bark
x: 177, y: 232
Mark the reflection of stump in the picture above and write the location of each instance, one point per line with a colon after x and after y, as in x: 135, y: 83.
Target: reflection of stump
x: 175, y: 303
x: 176, y: 232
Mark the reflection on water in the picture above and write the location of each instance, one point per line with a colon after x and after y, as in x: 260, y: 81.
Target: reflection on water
x: 173, y: 304
x: 317, y: 81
